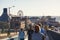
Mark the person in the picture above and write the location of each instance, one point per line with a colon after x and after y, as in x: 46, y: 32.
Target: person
x: 30, y: 31
x: 43, y: 30
x: 36, y: 35
x: 21, y: 34
x: 46, y: 36
x: 8, y: 32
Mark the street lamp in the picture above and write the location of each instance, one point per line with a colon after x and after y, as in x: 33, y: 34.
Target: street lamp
x: 10, y: 8
x: 9, y: 21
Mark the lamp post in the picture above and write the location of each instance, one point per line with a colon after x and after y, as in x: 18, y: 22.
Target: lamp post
x: 10, y: 8
x: 9, y: 21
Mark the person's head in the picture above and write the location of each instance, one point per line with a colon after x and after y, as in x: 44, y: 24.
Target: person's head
x: 21, y: 29
x: 36, y: 28
x: 46, y: 27
x: 40, y: 24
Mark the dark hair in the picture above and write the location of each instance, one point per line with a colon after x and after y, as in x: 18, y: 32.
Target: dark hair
x: 39, y: 24
x: 21, y: 29
x: 36, y: 28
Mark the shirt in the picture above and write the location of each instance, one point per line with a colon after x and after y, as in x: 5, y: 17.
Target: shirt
x: 36, y: 36
x: 42, y: 31
x: 21, y: 34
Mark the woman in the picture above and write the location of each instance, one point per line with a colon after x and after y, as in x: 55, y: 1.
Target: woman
x: 36, y: 34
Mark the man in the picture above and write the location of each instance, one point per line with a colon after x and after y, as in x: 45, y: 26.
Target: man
x: 21, y: 34
x: 36, y: 35
x: 30, y: 31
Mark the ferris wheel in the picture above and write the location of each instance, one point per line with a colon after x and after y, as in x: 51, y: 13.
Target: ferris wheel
x: 20, y: 13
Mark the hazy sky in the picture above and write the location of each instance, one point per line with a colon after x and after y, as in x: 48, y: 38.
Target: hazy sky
x: 32, y: 7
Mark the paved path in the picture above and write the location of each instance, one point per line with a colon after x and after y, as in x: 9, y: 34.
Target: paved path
x: 4, y: 35
x: 15, y: 37
x: 53, y: 35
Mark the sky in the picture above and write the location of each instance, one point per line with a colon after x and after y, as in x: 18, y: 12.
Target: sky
x: 32, y: 7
